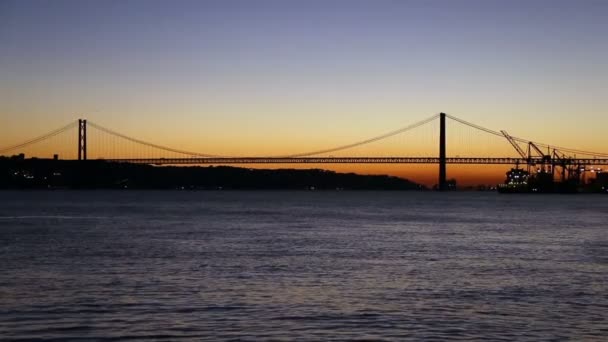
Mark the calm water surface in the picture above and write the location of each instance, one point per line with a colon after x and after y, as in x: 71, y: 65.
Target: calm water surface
x: 303, y: 266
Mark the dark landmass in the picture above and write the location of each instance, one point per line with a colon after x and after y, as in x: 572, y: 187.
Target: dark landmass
x: 20, y: 173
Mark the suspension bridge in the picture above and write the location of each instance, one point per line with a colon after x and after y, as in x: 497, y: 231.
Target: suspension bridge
x: 85, y: 140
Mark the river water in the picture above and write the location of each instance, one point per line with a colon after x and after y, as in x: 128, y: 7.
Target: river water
x: 318, y: 265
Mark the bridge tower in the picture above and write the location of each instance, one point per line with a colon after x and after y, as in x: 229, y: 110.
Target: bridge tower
x: 443, y: 184
x: 82, y: 139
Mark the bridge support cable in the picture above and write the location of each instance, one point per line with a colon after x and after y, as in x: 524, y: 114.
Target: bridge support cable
x: 363, y: 142
x: 39, y: 138
x: 151, y: 145
x: 527, y: 141
x: 116, y: 149
x: 466, y: 141
x: 304, y: 154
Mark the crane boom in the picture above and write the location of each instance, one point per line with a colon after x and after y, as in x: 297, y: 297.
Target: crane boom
x: 514, y: 144
x: 533, y: 145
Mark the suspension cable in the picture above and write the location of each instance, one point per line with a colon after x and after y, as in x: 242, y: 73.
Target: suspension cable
x: 363, y: 142
x: 564, y: 149
x: 304, y: 154
x: 169, y: 149
x: 487, y: 130
x: 40, y: 138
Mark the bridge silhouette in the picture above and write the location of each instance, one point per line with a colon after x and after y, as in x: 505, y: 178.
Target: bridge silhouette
x: 112, y: 146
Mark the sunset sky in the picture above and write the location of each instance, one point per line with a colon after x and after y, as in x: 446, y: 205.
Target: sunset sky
x: 274, y: 77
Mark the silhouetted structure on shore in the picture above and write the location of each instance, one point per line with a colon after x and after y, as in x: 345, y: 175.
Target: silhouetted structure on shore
x: 550, y: 168
x: 19, y: 173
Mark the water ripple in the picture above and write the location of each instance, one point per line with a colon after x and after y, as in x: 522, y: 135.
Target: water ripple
x: 208, y: 266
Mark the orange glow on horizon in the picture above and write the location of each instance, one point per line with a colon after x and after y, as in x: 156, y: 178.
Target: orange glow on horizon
x: 425, y: 174
x: 423, y: 142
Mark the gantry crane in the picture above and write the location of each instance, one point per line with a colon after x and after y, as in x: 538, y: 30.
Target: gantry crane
x: 548, y: 161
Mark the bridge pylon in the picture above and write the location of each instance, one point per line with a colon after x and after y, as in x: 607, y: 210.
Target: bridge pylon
x: 82, y: 139
x: 443, y: 183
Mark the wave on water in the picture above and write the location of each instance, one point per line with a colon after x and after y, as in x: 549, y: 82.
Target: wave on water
x: 60, y: 217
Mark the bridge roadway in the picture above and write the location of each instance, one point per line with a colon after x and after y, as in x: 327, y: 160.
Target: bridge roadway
x: 354, y: 160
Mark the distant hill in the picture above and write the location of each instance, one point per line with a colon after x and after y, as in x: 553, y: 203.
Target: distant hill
x: 18, y: 173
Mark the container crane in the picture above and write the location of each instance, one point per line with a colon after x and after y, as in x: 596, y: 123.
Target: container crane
x: 517, y: 148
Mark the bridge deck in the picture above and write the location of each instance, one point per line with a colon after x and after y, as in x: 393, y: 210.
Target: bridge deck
x: 352, y: 160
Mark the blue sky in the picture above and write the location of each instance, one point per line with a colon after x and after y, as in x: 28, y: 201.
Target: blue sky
x: 282, y: 69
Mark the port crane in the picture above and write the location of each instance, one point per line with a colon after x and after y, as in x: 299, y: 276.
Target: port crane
x: 549, y: 161
x: 530, y: 161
